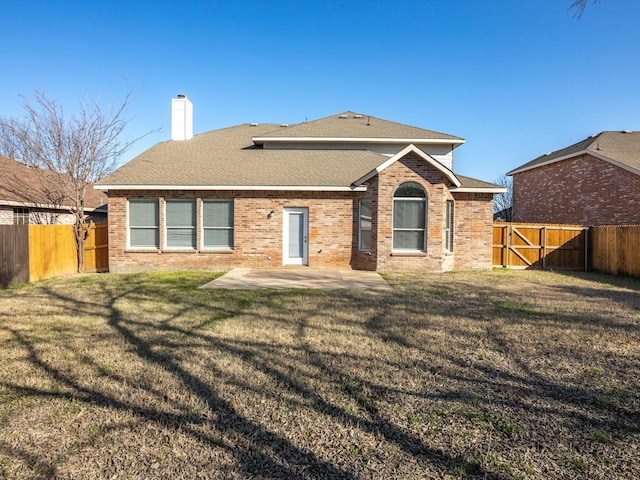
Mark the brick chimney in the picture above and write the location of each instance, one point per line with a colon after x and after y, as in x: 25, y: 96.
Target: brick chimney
x: 181, y: 118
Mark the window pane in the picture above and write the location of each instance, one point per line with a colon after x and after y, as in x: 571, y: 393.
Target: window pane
x: 408, y: 214
x: 449, y: 226
x: 181, y: 237
x: 181, y: 213
x: 365, y: 240
x: 218, y: 213
x: 410, y: 189
x: 217, y: 220
x: 222, y: 238
x: 365, y: 225
x: 143, y: 213
x: 143, y: 223
x: 403, y: 240
x: 295, y: 235
x: 144, y: 237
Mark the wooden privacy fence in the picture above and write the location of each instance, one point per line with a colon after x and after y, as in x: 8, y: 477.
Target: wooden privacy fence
x: 14, y: 254
x: 528, y: 245
x: 50, y: 251
x: 616, y: 249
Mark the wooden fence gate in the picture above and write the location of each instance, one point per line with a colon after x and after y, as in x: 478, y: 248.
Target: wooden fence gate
x: 528, y: 245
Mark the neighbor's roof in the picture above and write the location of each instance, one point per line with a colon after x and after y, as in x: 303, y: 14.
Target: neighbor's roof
x: 350, y: 126
x: 24, y: 186
x: 620, y: 148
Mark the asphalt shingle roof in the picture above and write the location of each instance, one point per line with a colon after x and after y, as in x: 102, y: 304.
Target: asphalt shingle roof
x: 229, y: 158
x: 621, y: 147
x: 29, y: 185
x: 355, y: 125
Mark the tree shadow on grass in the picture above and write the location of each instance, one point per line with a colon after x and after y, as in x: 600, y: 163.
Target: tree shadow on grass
x: 160, y: 339
x: 258, y: 450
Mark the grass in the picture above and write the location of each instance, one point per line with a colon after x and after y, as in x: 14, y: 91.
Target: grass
x: 503, y: 374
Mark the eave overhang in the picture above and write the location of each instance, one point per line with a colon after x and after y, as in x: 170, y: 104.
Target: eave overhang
x: 289, y: 188
x: 363, y: 140
x: 573, y: 155
x: 478, y: 190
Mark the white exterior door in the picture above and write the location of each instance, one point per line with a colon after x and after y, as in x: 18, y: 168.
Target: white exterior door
x: 294, y: 236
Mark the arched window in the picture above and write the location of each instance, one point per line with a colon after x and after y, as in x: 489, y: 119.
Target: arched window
x: 410, y: 218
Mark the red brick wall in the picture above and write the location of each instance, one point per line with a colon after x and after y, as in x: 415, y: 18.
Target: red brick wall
x: 473, y: 231
x: 257, y: 238
x: 582, y: 190
x: 333, y: 227
x: 411, y: 168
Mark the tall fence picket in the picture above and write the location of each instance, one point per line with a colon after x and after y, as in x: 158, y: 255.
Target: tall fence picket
x: 52, y: 251
x: 615, y: 249
x: 14, y: 254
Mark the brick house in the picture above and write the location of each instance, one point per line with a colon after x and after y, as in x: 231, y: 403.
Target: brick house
x: 348, y: 190
x: 593, y: 182
x: 32, y: 195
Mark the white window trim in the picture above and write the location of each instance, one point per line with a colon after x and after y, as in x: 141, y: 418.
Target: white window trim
x: 360, y: 249
x: 203, y: 247
x: 448, y: 226
x: 166, y: 226
x: 157, y: 228
x: 424, y: 200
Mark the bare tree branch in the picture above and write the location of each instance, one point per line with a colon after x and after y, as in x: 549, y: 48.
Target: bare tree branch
x: 579, y: 6
x: 75, y: 152
x: 503, y: 202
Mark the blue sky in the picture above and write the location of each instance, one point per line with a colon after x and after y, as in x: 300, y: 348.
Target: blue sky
x: 516, y: 79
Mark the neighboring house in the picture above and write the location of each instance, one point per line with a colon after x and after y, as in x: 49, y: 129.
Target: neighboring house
x: 503, y: 215
x: 594, y: 182
x: 348, y: 190
x: 32, y: 195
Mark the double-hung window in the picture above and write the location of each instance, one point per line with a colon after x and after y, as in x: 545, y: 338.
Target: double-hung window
x: 409, y: 218
x: 143, y: 223
x: 20, y: 216
x: 181, y: 223
x: 448, y: 230
x: 217, y: 224
x: 364, y: 225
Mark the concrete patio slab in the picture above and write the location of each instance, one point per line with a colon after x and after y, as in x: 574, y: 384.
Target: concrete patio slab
x: 299, y: 277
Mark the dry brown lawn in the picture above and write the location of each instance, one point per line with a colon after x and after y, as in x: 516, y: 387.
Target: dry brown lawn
x: 503, y: 374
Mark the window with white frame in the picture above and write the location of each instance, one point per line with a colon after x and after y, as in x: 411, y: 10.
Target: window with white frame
x: 217, y: 224
x: 21, y: 216
x: 410, y: 218
x: 180, y: 220
x: 143, y: 223
x: 364, y: 225
x: 448, y: 230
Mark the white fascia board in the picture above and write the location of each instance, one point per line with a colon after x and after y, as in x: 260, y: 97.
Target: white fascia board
x: 446, y: 141
x: 48, y: 206
x: 478, y: 190
x: 410, y: 148
x: 577, y: 154
x: 288, y: 188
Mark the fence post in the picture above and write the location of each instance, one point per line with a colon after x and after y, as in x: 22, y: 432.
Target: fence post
x: 508, y: 245
x: 585, y: 232
x: 544, y: 247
